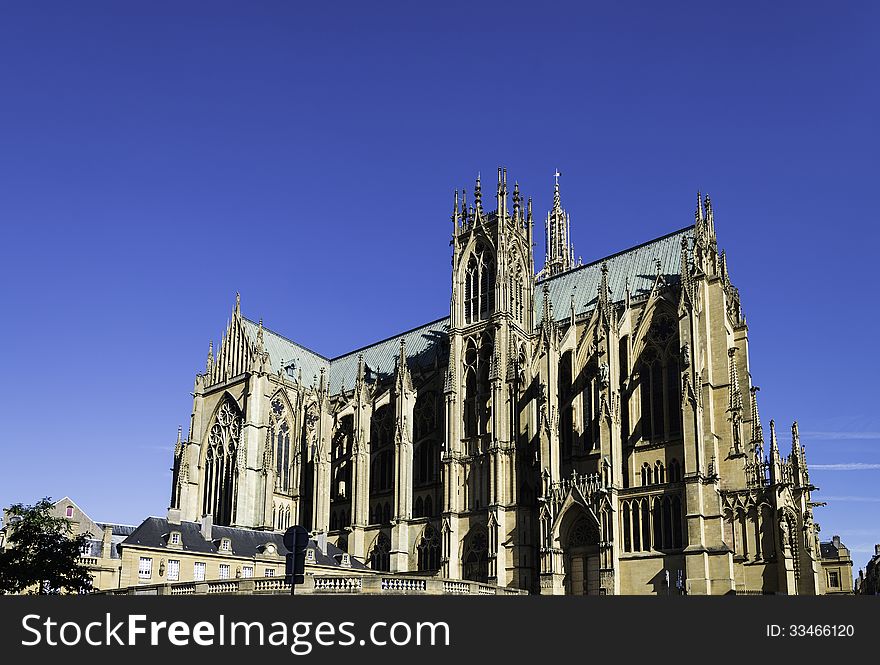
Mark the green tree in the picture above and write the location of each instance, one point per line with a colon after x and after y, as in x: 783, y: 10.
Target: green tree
x: 42, y: 554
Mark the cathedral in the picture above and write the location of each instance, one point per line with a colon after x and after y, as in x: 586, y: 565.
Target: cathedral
x: 585, y: 429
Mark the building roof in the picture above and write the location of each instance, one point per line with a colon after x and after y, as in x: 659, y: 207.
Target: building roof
x: 636, y: 266
x: 154, y: 532
x: 287, y: 356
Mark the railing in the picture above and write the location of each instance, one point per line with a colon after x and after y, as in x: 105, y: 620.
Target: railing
x: 222, y: 587
x: 368, y: 583
x: 403, y: 584
x: 456, y: 587
x: 270, y: 584
x: 334, y: 583
x: 88, y: 561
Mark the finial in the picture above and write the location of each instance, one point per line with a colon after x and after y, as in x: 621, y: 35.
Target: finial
x: 455, y: 214
x: 478, y: 193
x: 237, y: 302
x: 180, y: 433
x: 698, y: 213
x: 556, y: 175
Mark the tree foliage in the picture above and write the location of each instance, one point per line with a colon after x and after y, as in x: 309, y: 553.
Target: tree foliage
x: 42, y: 553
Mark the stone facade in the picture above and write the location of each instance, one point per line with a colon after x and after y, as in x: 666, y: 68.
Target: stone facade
x: 590, y: 430
x: 837, y: 567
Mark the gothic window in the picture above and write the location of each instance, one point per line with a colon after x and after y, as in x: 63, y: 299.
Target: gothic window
x: 429, y: 507
x: 623, y: 357
x: 674, y: 471
x: 476, y: 557
x: 380, y: 553
x: 479, y: 285
x: 566, y: 420
x: 340, y: 469
x: 382, y: 450
x: 429, y: 550
x: 477, y: 390
x: 419, y: 509
x: 659, y: 379
x: 676, y: 522
x: 426, y: 456
x: 590, y: 403
x: 627, y: 541
x: 659, y: 472
x: 646, y: 474
x: 221, y: 469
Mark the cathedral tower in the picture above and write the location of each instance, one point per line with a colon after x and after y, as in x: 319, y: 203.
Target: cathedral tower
x: 491, y: 322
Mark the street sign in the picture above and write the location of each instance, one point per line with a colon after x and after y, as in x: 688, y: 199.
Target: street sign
x: 296, y: 540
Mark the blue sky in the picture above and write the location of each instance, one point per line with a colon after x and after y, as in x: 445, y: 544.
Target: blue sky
x: 155, y: 158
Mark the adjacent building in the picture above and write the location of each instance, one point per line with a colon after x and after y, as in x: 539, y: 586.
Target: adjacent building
x: 837, y: 567
x: 868, y: 581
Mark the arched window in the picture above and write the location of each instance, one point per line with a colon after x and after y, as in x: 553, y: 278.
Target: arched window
x: 660, y: 380
x: 477, y: 390
x: 380, y: 553
x: 674, y: 471
x: 429, y: 550
x: 659, y: 472
x: 566, y: 394
x: 429, y: 507
x: 419, y: 509
x: 646, y: 525
x: 382, y: 450
x: 590, y: 403
x: 479, y: 285
x: 636, y: 527
x: 676, y: 522
x: 476, y: 557
x: 646, y: 474
x: 627, y: 541
x: 221, y: 468
x: 386, y: 513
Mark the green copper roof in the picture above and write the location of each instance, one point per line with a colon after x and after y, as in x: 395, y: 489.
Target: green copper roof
x: 638, y: 264
x: 427, y: 344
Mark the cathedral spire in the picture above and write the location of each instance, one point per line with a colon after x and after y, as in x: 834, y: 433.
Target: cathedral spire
x: 559, y: 250
x: 209, y: 364
x: 757, y: 429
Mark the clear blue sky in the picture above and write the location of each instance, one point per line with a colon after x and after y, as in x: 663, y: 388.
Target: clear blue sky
x: 155, y: 158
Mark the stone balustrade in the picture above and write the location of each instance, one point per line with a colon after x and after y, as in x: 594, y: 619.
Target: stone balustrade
x: 366, y: 584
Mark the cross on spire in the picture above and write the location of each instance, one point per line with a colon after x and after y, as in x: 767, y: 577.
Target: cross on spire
x: 556, y: 175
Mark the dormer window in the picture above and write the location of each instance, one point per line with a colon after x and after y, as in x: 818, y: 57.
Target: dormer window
x: 269, y: 549
x: 310, y: 555
x: 175, y: 538
x: 346, y: 560
x: 225, y: 545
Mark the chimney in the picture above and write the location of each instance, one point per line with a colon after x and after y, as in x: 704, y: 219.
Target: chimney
x: 106, y: 542
x: 173, y: 516
x: 207, y: 526
x: 836, y: 541
x: 876, y: 550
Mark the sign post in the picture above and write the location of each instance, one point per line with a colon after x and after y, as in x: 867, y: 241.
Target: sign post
x: 296, y: 540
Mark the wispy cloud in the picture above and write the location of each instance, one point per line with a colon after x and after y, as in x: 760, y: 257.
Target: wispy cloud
x: 856, y: 499
x: 840, y: 436
x: 846, y: 466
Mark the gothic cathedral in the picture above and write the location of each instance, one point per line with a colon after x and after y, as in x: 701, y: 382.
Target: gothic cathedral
x: 589, y: 429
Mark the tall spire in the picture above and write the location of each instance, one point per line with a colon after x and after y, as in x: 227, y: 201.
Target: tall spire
x: 757, y: 428
x: 559, y: 250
